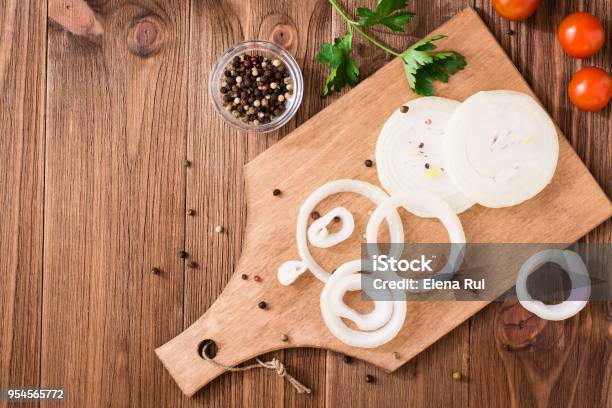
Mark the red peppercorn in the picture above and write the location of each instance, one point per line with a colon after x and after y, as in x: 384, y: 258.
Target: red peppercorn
x: 421, y: 145
x: 257, y: 278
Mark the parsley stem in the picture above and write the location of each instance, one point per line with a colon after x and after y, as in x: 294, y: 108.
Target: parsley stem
x: 355, y: 26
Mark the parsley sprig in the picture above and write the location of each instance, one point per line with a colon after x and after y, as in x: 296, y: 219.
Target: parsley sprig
x: 342, y: 68
x: 422, y: 65
x: 388, y: 13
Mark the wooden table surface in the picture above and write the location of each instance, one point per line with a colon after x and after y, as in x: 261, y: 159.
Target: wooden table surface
x: 94, y: 133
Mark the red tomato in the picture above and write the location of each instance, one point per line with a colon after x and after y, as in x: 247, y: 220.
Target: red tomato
x: 581, y: 35
x: 590, y: 89
x: 516, y: 9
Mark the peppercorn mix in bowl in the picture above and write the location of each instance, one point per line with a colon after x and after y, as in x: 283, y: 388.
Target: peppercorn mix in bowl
x: 256, y: 86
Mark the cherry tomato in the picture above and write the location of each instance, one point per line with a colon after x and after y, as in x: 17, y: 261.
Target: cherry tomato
x: 590, y: 89
x: 581, y: 35
x: 516, y: 9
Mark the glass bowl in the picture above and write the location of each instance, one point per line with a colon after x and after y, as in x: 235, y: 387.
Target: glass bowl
x: 266, y: 49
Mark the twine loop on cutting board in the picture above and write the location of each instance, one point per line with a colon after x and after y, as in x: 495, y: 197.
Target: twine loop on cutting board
x: 273, y: 364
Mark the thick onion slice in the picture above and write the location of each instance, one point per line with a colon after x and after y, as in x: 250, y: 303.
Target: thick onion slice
x: 500, y: 148
x: 319, y: 235
x: 377, y: 318
x: 375, y: 194
x: 440, y: 209
x: 347, y: 277
x: 409, y: 154
x: 569, y: 261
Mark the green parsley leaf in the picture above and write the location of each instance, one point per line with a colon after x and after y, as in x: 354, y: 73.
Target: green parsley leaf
x: 388, y: 13
x: 423, y: 67
x: 342, y: 69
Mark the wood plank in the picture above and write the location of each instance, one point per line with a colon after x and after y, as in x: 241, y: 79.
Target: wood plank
x: 215, y: 181
x: 114, y: 204
x: 22, y: 108
x: 418, y: 383
x: 565, y: 363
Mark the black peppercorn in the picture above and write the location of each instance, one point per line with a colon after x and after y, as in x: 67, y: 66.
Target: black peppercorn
x: 403, y: 109
x: 369, y: 378
x: 510, y: 31
x: 276, y: 192
x: 336, y: 219
x: 315, y: 215
x: 190, y: 212
x: 426, y: 165
x: 155, y: 270
x: 262, y: 305
x: 368, y: 163
x: 183, y: 254
x: 347, y: 359
x: 244, y: 276
x: 192, y: 264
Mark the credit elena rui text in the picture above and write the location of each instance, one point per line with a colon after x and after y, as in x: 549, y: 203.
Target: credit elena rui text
x: 384, y: 263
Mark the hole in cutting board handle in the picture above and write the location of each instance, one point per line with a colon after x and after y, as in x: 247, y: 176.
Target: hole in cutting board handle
x: 211, y: 350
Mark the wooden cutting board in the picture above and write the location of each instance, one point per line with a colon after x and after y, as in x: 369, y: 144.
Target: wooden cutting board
x: 333, y: 145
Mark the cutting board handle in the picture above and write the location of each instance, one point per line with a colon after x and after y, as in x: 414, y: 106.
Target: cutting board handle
x: 236, y: 325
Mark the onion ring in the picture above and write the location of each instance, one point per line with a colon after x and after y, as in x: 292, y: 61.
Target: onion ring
x: 375, y: 194
x: 440, y: 209
x: 319, y: 236
x: 289, y: 271
x: 569, y: 261
x: 337, y: 285
x: 376, y: 319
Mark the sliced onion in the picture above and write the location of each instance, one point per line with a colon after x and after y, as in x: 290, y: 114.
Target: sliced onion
x: 375, y: 194
x: 409, y: 154
x: 377, y: 318
x: 569, y: 261
x: 289, y: 271
x: 500, y: 148
x: 319, y: 235
x: 440, y: 209
x: 343, y: 280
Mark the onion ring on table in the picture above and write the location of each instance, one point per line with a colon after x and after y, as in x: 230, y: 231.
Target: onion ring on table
x: 375, y: 194
x: 341, y: 282
x: 577, y: 271
x: 319, y: 236
x: 441, y: 210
